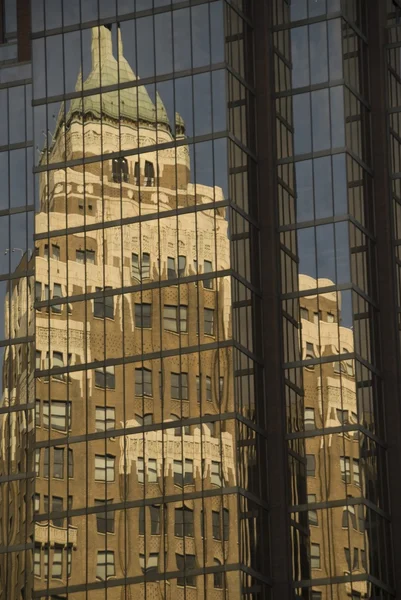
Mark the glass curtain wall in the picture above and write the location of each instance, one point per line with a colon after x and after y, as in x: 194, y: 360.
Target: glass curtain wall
x: 336, y: 442
x: 149, y: 436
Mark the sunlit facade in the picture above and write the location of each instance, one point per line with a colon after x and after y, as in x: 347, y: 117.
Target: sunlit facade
x: 199, y: 300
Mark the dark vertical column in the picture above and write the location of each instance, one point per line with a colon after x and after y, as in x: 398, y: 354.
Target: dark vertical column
x: 280, y: 538
x: 23, y: 29
x: 388, y: 333
x: 2, y: 22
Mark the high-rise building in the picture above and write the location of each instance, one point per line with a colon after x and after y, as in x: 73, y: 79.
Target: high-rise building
x: 200, y: 299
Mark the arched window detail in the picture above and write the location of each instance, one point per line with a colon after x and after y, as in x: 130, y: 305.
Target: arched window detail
x: 149, y: 174
x: 120, y: 170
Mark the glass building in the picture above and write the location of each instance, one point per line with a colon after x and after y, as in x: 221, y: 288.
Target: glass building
x: 200, y: 295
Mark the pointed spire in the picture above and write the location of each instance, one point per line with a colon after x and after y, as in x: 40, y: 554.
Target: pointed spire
x: 78, y: 85
x: 102, y: 47
x: 120, y: 42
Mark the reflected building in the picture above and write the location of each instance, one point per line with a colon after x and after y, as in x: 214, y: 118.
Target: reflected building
x: 200, y: 359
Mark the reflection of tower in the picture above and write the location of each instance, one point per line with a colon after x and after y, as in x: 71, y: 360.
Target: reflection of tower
x: 141, y: 342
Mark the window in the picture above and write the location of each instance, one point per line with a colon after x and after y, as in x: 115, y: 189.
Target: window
x: 85, y: 256
x: 104, y: 467
x: 152, y: 564
x: 309, y: 418
x: 349, y: 515
x: 363, y: 560
x: 345, y: 466
x: 209, y: 389
x: 347, y: 558
x: 140, y: 469
x: 355, y: 562
x: 184, y: 522
x: 38, y: 291
x: 218, y: 577
x: 46, y: 460
x: 36, y: 561
x: 105, y: 566
x: 55, y: 252
x: 145, y: 420
x: 183, y: 319
x: 36, y: 503
x: 105, y: 518
x: 342, y: 416
x: 312, y: 514
x: 103, y: 306
x: 152, y: 470
x: 57, y: 508
x: 208, y: 268
x: 141, y: 520
x: 38, y: 360
x: 58, y: 362
x: 330, y: 318
x: 105, y: 377
x: 69, y: 561
x: 171, y: 271
x: 216, y: 525
x: 310, y: 353
x: 185, y: 563
x: 58, y: 464
x: 105, y: 418
x: 179, y: 386
x: 215, y: 475
x: 310, y: 465
x: 226, y: 524
x: 57, y: 293
x: 46, y: 563
x: 149, y: 173
x: 356, y: 472
x: 315, y: 556
x: 198, y: 388
x: 143, y: 382
x: 208, y: 314
x: 143, y: 316
x: 57, y: 567
x: 189, y: 471
x: 120, y: 170
x: 70, y: 463
x: 175, y: 318
x: 182, y: 265
x: 304, y: 313
x: 185, y: 478
x: 37, y: 461
x: 317, y: 316
x: 316, y: 595
x: 141, y: 269
x: 60, y: 415
x: 154, y: 520
x: 136, y: 173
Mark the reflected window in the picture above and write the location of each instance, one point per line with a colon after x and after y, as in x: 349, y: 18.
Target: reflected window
x: 57, y: 507
x: 215, y: 474
x: 309, y: 419
x: 175, y: 318
x: 85, y: 256
x: 347, y: 555
x: 217, y: 577
x: 58, y: 363
x: 184, y: 522
x: 226, y: 524
x: 38, y: 360
x: 342, y: 416
x: 356, y: 471
x: 46, y: 563
x: 105, y: 518
x: 179, y: 386
x: 152, y: 564
x: 312, y: 514
x: 105, y: 418
x: 216, y: 525
x: 55, y: 251
x: 38, y: 291
x: 103, y: 306
x: 316, y: 595
x: 330, y: 318
x: 57, y: 293
x: 186, y: 563
x: 171, y: 270
x: 198, y: 389
x: 105, y: 566
x: 208, y: 268
x: 145, y: 420
x: 152, y: 470
x: 140, y: 469
x: 310, y: 353
x: 349, y: 517
x: 310, y: 465
x: 37, y: 561
x: 304, y: 314
x: 69, y: 561
x: 70, y: 463
x: 104, y: 467
x: 105, y: 378
x: 136, y: 173
x: 149, y: 174
x: 141, y: 520
x: 58, y: 463
x: 154, y: 520
x: 345, y: 466
x: 143, y: 382
x: 315, y: 556
x: 46, y: 462
x: 60, y: 415
x: 143, y: 315
x: 208, y: 388
x: 208, y: 321
x: 37, y: 461
x: 120, y: 170
x: 57, y: 567
x: 141, y: 269
x: 182, y: 265
x: 36, y: 503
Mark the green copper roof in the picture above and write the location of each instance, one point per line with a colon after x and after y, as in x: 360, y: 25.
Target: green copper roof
x: 135, y: 103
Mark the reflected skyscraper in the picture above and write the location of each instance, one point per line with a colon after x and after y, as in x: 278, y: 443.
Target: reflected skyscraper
x: 200, y: 361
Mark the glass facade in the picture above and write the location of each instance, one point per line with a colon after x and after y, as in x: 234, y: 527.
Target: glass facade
x: 134, y: 414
